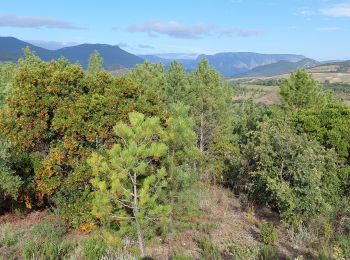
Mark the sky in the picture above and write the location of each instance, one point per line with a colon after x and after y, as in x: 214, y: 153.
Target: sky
x: 318, y: 29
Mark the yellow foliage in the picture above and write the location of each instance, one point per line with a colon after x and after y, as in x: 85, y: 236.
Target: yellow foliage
x: 27, y: 201
x: 87, y: 227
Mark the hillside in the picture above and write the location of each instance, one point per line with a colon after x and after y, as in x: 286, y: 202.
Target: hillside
x: 113, y: 56
x: 333, y: 67
x: 187, y: 63
x: 233, y: 63
x: 279, y: 68
x: 230, y: 63
x: 11, y: 49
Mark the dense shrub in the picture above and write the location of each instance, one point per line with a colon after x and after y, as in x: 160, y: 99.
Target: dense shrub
x: 268, y: 233
x: 10, y: 183
x: 209, y: 251
x: 328, y: 125
x: 288, y: 172
x: 58, y: 114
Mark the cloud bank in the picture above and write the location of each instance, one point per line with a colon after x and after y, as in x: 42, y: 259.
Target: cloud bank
x: 188, y: 31
x: 340, y: 10
x: 51, y: 45
x: 171, y: 28
x: 11, y: 20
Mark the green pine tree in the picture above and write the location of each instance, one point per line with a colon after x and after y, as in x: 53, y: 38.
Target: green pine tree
x: 128, y: 181
x: 95, y: 62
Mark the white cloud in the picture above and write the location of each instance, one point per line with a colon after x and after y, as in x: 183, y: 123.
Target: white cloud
x: 328, y: 29
x: 306, y: 12
x: 234, y: 31
x: 123, y: 45
x: 340, y: 10
x: 171, y: 28
x: 11, y: 20
x: 188, y: 31
x: 51, y: 45
x: 145, y: 46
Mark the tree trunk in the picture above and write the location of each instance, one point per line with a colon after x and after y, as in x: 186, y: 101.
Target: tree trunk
x: 138, y: 227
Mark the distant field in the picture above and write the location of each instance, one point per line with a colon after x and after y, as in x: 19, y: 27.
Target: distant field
x: 332, y: 77
x: 260, y: 94
x: 269, y: 94
x: 322, y: 74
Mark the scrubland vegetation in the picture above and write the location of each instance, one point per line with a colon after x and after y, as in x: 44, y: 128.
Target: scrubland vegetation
x: 166, y: 164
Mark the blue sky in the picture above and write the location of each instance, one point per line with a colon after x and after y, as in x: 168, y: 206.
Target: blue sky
x: 319, y: 29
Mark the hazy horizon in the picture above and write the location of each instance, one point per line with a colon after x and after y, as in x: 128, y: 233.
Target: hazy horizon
x: 318, y: 29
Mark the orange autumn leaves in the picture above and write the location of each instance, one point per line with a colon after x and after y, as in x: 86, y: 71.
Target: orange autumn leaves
x: 59, y: 113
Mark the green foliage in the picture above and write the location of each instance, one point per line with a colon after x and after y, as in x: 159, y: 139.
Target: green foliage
x: 268, y: 233
x: 57, y: 114
x: 53, y: 250
x: 130, y: 178
x: 302, y: 91
x: 10, y: 238
x: 287, y: 171
x: 268, y: 252
x: 181, y: 159
x: 239, y: 252
x: 94, y: 247
x: 46, y: 243
x: 10, y: 183
x: 328, y: 125
x: 177, y: 84
x: 6, y: 75
x: 151, y: 78
x: 95, y: 63
x: 338, y: 87
x: 247, y: 117
x: 208, y: 100
x: 209, y: 251
x: 125, y: 155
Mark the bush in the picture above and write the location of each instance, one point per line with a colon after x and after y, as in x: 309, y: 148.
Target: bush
x: 294, y: 175
x: 9, y: 182
x: 8, y: 236
x: 209, y: 250
x: 50, y: 249
x: 268, y: 233
x: 46, y: 242
x: 238, y: 251
x: 94, y: 247
x: 301, y: 236
x: 268, y: 252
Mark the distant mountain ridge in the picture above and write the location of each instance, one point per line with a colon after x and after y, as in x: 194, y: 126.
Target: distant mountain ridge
x: 227, y: 63
x: 333, y: 67
x: 279, y: 68
x: 113, y: 56
x: 233, y: 63
x: 230, y: 63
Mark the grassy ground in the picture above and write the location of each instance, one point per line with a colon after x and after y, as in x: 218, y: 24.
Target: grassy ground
x: 319, y: 75
x: 261, y: 94
x: 226, y: 228
x: 269, y: 94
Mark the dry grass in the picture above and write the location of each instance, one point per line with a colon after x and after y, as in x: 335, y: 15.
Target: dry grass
x: 226, y: 221
x: 267, y: 95
x: 22, y: 221
x: 320, y: 75
x: 222, y: 218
